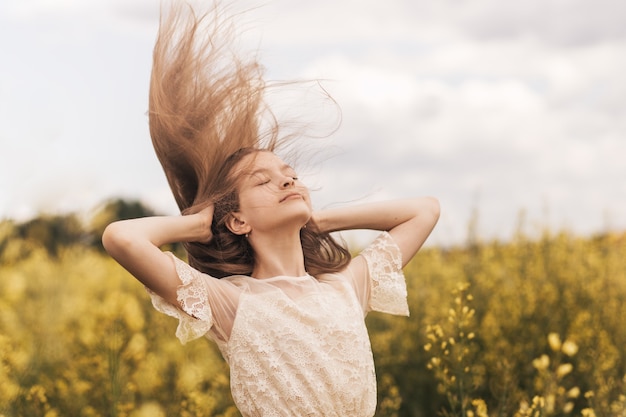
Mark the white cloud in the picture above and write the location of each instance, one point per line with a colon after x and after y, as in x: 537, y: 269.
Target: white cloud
x: 567, y: 23
x: 481, y: 103
x: 509, y: 120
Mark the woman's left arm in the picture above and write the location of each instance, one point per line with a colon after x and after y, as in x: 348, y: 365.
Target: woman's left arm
x: 409, y: 222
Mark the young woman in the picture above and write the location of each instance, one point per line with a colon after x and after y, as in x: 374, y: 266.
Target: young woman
x: 265, y: 279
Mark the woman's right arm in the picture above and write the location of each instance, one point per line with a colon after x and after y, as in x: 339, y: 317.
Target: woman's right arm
x: 135, y: 244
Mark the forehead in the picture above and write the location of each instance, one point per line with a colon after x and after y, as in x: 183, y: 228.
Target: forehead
x: 261, y: 161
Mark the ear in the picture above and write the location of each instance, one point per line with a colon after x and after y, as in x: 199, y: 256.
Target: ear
x: 237, y: 225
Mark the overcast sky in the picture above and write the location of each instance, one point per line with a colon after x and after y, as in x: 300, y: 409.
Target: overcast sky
x: 490, y: 105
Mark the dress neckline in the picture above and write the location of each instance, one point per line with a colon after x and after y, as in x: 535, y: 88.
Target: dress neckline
x: 284, y: 277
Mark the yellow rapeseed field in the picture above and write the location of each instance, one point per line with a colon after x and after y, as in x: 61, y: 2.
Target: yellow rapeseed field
x: 533, y: 327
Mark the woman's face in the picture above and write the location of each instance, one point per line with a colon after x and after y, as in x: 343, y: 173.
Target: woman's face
x: 271, y: 197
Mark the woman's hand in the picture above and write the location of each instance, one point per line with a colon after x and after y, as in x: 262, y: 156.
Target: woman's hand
x: 313, y: 224
x: 205, y: 217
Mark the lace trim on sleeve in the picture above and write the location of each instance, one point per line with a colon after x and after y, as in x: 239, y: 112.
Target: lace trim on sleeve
x: 195, y: 318
x: 387, y: 284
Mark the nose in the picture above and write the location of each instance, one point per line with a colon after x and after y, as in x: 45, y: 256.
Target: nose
x: 288, y: 182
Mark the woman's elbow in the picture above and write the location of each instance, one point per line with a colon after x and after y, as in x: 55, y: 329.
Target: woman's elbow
x: 430, y: 207
x: 115, y: 240
x: 436, y: 208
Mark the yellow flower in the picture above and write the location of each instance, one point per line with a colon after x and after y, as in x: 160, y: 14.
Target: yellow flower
x: 564, y: 369
x: 573, y: 393
x: 481, y: 408
x: 541, y: 363
x: 554, y: 340
x: 549, y: 403
x: 538, y: 402
x: 136, y: 347
x: 132, y: 314
x: 588, y: 412
x: 569, y: 348
x: 150, y: 409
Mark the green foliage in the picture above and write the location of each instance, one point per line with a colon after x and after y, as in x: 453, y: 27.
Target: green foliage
x: 48, y: 231
x: 526, y: 328
x: 54, y: 233
x: 112, y: 210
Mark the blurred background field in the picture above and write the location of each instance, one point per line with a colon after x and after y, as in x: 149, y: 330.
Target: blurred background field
x: 527, y: 327
x: 489, y: 104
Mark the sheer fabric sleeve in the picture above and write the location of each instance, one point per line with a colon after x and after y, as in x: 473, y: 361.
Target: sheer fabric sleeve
x: 197, y: 314
x: 382, y: 286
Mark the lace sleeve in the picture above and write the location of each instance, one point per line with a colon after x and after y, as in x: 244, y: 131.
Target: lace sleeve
x: 195, y: 317
x: 388, y: 292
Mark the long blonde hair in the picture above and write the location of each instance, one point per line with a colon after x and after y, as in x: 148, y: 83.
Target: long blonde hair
x: 206, y: 111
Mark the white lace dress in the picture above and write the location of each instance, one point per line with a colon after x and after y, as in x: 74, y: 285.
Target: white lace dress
x: 296, y: 346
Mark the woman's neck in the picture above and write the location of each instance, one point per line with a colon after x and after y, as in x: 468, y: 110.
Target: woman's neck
x: 277, y: 255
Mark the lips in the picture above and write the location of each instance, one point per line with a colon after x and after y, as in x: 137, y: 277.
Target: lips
x: 290, y: 196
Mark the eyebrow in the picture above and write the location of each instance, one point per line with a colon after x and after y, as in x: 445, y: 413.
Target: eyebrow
x: 284, y: 167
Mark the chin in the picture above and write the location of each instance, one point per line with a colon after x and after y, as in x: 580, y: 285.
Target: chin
x: 303, y: 217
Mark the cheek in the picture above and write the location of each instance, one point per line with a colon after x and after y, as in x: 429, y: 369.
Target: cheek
x: 253, y: 198
x: 307, y: 198
x: 245, y: 200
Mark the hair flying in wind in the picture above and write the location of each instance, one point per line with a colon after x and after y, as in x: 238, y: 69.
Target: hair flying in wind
x: 206, y: 112
x: 205, y: 102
